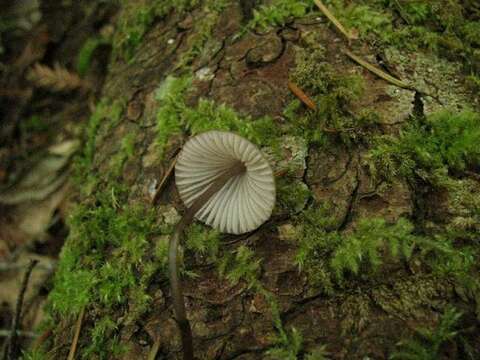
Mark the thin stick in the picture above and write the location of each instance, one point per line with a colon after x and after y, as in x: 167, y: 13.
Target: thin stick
x: 11, y: 351
x: 175, y: 283
x: 301, y: 95
x: 380, y: 73
x: 334, y: 20
x: 159, y: 189
x: 78, y: 326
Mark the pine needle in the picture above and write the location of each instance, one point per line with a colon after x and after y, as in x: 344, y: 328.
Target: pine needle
x: 299, y: 93
x: 349, y: 35
x: 56, y: 79
x: 380, y: 73
x: 78, y: 326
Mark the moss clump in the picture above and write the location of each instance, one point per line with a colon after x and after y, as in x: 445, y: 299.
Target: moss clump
x: 203, y: 242
x: 105, y: 265
x: 333, y: 93
x: 104, y: 328
x: 366, y: 244
x: 292, y: 196
x: 428, y: 343
x: 136, y: 20
x: 449, y: 28
x: 288, y: 345
x: 103, y: 253
x: 210, y: 116
x: 202, y: 31
x: 327, y: 255
x: 85, y: 55
x: 126, y: 152
x: 278, y: 12
x: 170, y: 94
x: 174, y: 117
x: 443, y: 141
x: 106, y: 114
x: 240, y: 265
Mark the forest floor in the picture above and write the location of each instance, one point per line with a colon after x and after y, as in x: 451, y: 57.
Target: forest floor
x: 46, y: 98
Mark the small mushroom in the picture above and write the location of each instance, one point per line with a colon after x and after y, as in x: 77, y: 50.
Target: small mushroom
x: 226, y: 182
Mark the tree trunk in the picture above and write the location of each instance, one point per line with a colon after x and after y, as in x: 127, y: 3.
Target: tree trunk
x: 252, y: 298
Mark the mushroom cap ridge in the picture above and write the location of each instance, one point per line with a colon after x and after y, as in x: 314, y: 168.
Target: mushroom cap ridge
x: 246, y: 201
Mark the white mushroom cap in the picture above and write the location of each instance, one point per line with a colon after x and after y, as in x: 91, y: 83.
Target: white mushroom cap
x: 246, y: 201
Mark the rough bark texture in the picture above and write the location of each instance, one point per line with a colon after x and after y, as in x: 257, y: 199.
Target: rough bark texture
x: 363, y: 319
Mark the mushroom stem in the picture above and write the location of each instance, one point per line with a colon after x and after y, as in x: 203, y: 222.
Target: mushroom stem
x: 237, y: 168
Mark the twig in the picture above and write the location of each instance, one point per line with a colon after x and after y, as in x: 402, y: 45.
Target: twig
x: 380, y: 73
x: 301, y: 95
x: 78, y: 327
x: 11, y: 351
x: 334, y: 20
x: 159, y: 189
x: 56, y: 79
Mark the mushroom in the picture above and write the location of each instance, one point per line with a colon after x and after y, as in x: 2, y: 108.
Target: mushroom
x: 226, y: 182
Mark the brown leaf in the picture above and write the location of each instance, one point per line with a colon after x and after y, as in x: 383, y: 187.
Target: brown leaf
x: 57, y: 79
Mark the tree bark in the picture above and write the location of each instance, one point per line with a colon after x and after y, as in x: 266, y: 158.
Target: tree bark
x: 250, y: 74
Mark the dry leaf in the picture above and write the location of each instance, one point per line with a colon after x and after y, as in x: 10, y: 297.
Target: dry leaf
x: 57, y: 79
x: 43, y: 178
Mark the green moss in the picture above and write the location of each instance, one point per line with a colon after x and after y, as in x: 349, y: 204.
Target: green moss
x: 428, y: 344
x: 174, y: 117
x: 288, y: 345
x: 105, y: 263
x: 366, y: 244
x: 463, y: 206
x: 278, y: 13
x: 106, y: 116
x: 102, y: 256
x: 202, y: 32
x: 210, y: 116
x: 126, y: 152
x: 444, y: 27
x: 333, y: 94
x: 203, y: 241
x: 105, y: 113
x: 292, y: 195
x: 327, y: 255
x: 170, y: 94
x: 444, y: 140
x: 104, y: 342
x: 73, y: 286
x: 34, y: 354
x: 473, y: 82
x: 85, y: 55
x: 240, y: 266
x: 137, y: 18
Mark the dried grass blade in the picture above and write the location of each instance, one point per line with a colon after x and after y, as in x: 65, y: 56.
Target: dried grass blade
x: 380, y: 73
x: 56, y: 79
x: 334, y: 20
x: 78, y: 326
